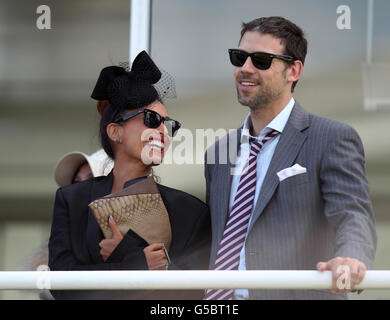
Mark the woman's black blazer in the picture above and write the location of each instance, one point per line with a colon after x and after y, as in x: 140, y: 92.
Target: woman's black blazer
x: 75, y: 236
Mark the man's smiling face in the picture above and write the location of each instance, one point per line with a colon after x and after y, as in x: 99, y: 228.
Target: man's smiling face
x: 255, y: 87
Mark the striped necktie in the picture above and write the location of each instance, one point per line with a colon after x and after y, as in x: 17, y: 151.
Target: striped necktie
x: 233, y: 238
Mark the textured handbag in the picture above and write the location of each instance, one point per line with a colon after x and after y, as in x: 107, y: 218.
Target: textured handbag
x: 138, y: 207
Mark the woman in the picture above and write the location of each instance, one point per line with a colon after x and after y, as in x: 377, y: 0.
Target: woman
x: 73, y: 167
x: 135, y: 131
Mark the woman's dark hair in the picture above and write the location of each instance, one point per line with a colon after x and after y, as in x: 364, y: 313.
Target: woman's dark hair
x: 118, y: 90
x: 292, y: 36
x: 108, y: 115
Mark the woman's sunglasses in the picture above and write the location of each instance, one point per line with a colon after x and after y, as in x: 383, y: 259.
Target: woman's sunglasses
x: 153, y: 120
x: 261, y: 60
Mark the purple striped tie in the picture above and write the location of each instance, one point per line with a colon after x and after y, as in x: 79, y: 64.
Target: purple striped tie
x: 233, y: 238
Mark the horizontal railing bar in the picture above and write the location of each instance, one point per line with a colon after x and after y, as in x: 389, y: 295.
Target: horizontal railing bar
x: 191, y: 279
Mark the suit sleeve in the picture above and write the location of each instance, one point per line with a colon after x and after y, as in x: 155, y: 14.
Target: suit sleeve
x: 346, y: 194
x: 61, y: 256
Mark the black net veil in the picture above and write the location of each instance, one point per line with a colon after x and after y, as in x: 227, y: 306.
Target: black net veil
x: 165, y: 87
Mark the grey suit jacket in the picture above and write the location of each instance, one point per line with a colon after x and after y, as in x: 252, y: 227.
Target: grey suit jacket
x: 311, y: 217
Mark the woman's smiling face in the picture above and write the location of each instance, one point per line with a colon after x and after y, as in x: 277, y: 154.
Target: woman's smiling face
x: 143, y: 143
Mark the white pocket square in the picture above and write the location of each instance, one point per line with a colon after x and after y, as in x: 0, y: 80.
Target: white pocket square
x: 292, y: 171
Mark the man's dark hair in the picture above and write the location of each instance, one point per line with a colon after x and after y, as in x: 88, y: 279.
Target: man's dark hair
x: 292, y: 37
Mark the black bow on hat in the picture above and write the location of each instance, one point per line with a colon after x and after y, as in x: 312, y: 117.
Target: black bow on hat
x: 128, y: 90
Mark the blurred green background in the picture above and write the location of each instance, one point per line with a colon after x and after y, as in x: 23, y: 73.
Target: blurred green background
x: 46, y: 78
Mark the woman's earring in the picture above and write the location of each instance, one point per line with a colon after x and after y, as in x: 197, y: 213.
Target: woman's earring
x: 118, y: 140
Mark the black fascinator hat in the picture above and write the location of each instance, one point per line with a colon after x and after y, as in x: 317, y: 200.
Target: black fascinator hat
x: 126, y: 90
x: 119, y: 89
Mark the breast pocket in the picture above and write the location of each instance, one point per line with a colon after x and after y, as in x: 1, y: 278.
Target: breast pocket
x: 295, y: 198
x: 295, y: 180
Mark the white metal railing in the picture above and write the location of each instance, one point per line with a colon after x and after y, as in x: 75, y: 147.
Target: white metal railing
x: 140, y: 27
x: 194, y: 279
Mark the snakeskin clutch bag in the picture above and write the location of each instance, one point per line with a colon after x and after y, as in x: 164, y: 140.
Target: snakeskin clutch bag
x: 138, y: 207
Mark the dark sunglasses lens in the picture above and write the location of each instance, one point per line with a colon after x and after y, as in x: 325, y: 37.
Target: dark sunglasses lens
x: 173, y: 126
x: 152, y: 119
x: 238, y: 58
x: 261, y: 61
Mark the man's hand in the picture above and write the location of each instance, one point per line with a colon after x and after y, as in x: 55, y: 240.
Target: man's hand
x: 108, y: 245
x: 346, y: 273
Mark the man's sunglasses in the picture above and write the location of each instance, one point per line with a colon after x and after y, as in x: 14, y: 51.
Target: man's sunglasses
x: 153, y: 119
x: 261, y: 60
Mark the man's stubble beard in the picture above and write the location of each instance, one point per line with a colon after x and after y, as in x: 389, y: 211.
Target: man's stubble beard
x: 264, y: 97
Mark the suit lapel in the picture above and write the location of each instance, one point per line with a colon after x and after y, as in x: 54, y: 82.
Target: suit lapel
x: 290, y: 142
x: 100, y: 187
x: 230, y: 148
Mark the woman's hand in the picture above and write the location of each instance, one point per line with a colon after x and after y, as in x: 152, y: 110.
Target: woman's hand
x: 155, y: 257
x: 108, y: 245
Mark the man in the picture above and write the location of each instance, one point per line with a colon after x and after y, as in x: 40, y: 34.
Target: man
x: 294, y: 196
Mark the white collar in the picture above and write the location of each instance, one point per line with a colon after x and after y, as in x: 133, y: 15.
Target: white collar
x: 278, y: 123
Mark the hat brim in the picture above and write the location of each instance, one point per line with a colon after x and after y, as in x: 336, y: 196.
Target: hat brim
x: 67, y: 166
